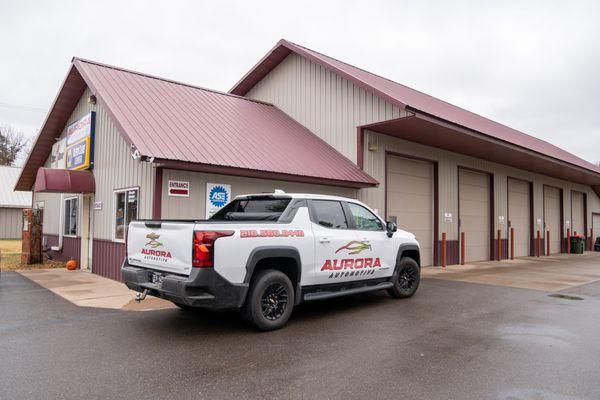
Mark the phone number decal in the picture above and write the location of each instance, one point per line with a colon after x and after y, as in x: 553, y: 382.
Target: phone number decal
x: 252, y: 233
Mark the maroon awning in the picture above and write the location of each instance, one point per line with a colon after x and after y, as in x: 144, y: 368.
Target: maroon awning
x: 64, y: 181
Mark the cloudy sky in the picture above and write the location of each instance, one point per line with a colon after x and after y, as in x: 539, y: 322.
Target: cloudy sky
x: 531, y: 65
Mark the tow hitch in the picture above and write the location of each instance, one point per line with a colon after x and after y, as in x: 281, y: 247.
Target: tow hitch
x: 141, y: 296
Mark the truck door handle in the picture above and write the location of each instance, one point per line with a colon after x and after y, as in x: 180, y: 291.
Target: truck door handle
x: 324, y: 239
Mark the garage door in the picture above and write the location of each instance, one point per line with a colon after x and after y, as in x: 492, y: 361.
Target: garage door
x: 474, y: 203
x: 596, y: 226
x: 519, y: 215
x: 410, y: 200
x: 552, y: 222
x: 577, y: 213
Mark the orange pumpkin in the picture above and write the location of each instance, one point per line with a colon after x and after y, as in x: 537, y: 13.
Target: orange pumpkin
x: 71, y: 265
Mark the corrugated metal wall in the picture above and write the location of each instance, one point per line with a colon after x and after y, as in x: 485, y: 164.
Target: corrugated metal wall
x: 448, y: 164
x: 328, y: 105
x: 195, y: 205
x: 113, y: 169
x: 11, y: 223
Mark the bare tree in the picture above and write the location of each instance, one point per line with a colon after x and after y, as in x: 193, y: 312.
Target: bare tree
x: 13, y: 144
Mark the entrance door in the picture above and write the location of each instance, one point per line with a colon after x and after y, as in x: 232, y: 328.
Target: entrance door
x: 410, y: 191
x: 474, y: 214
x: 519, y: 215
x: 86, y: 233
x: 578, y: 213
x: 552, y: 222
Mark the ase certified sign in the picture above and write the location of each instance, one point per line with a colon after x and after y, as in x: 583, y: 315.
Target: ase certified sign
x: 179, y: 188
x: 217, y: 195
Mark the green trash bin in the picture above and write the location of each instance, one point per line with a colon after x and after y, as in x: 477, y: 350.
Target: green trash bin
x: 577, y: 244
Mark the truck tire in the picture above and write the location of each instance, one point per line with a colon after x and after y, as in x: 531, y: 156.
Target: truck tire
x: 406, y: 279
x: 270, y: 300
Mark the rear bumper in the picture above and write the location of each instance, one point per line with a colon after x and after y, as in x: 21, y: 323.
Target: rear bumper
x: 203, y: 288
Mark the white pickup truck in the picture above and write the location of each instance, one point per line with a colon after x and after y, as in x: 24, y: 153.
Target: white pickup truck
x: 266, y: 253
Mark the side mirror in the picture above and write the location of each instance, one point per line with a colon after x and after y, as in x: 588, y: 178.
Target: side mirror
x: 391, y: 227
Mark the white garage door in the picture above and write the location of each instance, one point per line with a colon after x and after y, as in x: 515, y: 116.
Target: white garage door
x: 552, y: 222
x: 474, y: 203
x: 577, y: 213
x: 519, y: 215
x: 410, y: 200
x: 596, y: 226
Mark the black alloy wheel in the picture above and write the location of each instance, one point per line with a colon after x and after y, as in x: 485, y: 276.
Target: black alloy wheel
x: 274, y: 301
x: 406, y: 279
x: 270, y: 300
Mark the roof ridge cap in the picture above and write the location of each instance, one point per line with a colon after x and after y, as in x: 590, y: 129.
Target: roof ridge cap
x: 130, y: 71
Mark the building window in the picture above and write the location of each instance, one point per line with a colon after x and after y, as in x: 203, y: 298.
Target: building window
x: 126, y: 210
x: 71, y: 210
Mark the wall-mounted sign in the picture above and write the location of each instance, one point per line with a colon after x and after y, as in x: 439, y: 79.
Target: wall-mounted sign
x: 501, y: 220
x: 539, y: 221
x: 567, y: 223
x: 447, y: 217
x: 179, y: 189
x: 58, y: 157
x: 97, y: 205
x: 217, y: 195
x: 80, y: 143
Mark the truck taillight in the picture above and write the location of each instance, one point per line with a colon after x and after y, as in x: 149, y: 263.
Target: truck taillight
x: 203, y: 252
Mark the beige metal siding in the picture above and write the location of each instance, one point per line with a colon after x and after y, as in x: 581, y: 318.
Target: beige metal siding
x: 577, y: 213
x: 448, y: 164
x: 195, y: 205
x: 410, y: 200
x: 11, y: 223
x: 552, y: 222
x: 113, y: 169
x: 519, y: 215
x: 328, y: 105
x: 474, y: 198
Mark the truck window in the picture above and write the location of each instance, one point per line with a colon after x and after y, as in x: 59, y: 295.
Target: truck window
x: 330, y: 214
x: 364, y: 219
x: 253, y: 209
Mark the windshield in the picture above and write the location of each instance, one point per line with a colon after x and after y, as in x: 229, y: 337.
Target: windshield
x: 253, y: 209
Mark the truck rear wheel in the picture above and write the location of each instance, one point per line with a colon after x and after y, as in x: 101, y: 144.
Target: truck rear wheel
x: 270, y: 300
x: 406, y: 279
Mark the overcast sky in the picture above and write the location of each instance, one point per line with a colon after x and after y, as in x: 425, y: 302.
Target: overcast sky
x: 534, y: 66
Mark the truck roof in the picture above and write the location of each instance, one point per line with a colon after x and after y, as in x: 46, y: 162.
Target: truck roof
x: 283, y: 194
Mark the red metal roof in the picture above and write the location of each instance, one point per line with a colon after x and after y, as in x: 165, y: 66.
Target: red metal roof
x: 64, y: 181
x: 188, y: 127
x: 407, y: 98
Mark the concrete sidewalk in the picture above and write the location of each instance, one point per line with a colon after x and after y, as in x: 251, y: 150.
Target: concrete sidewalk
x: 554, y: 273
x: 89, y: 290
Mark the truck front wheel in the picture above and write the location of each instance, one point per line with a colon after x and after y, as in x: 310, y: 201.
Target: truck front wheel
x: 270, y: 300
x: 406, y: 279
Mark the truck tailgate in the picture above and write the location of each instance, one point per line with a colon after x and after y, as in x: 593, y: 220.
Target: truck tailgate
x: 161, y: 245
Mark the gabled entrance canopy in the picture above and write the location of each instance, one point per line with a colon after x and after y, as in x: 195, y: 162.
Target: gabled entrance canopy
x: 64, y: 181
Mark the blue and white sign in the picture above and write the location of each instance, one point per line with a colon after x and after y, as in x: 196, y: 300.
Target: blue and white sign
x: 217, y: 195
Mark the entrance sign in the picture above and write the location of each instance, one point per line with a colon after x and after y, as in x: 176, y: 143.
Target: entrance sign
x: 217, y: 195
x: 179, y: 189
x: 80, y: 143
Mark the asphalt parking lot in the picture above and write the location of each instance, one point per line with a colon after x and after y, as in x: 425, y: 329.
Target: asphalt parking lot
x: 453, y: 340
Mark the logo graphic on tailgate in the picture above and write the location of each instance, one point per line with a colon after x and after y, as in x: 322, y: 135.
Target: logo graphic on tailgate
x: 152, y: 254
